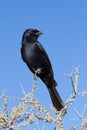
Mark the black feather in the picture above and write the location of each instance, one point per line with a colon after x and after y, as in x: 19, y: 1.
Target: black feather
x: 35, y: 56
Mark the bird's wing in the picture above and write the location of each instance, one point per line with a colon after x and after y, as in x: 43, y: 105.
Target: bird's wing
x: 44, y: 54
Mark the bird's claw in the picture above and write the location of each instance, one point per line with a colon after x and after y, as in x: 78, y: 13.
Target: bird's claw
x: 37, y: 72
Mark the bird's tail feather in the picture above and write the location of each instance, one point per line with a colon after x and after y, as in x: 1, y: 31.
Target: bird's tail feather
x: 56, y: 99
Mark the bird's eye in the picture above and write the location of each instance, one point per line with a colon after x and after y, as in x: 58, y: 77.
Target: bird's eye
x: 32, y: 33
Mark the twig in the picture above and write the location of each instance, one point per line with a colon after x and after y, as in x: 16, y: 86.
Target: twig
x: 22, y: 88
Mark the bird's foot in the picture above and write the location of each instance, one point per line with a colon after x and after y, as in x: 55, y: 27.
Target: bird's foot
x: 37, y: 72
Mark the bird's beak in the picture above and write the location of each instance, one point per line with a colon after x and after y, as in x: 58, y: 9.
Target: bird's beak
x: 39, y: 33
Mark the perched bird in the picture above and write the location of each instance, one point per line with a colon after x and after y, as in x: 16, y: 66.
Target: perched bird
x: 35, y: 56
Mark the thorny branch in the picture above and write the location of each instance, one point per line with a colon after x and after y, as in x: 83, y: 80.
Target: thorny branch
x: 29, y: 110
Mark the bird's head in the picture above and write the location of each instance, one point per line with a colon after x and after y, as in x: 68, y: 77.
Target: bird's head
x: 31, y: 35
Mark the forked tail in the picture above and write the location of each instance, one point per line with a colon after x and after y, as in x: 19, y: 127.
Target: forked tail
x: 56, y: 99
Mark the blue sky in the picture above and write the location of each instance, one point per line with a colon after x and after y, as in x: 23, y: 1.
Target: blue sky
x: 64, y: 24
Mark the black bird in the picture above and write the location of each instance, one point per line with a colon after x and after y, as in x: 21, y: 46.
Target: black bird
x: 35, y: 56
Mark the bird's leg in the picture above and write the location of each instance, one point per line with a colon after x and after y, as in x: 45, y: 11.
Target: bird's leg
x: 37, y: 72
